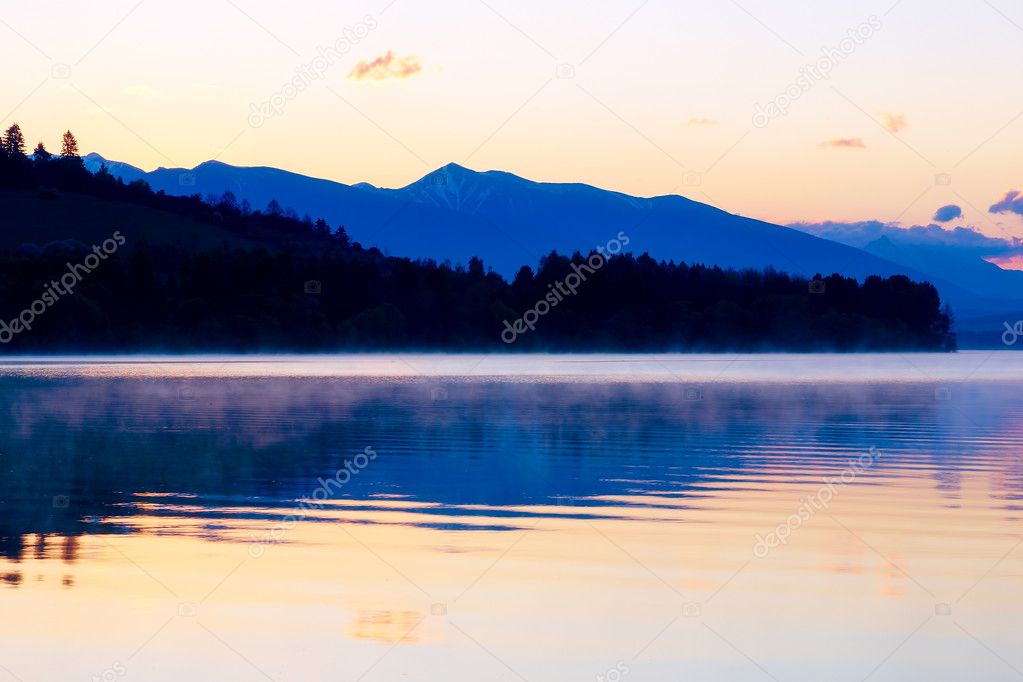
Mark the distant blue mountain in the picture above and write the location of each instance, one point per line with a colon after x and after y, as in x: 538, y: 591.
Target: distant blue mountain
x: 455, y: 213
x: 957, y: 255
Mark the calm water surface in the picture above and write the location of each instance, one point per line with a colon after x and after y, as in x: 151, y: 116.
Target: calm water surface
x: 533, y: 518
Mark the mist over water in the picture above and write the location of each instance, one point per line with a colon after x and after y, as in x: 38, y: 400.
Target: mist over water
x: 544, y: 518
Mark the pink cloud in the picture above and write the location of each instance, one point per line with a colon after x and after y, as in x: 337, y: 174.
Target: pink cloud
x: 1007, y: 262
x: 845, y: 143
x: 894, y: 123
x: 385, y: 67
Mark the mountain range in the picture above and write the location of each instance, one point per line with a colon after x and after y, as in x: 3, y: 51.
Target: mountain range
x: 957, y: 254
x: 455, y: 213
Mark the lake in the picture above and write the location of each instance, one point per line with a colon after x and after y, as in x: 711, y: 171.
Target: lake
x: 433, y: 517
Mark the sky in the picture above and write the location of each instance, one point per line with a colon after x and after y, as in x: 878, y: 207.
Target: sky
x: 799, y: 111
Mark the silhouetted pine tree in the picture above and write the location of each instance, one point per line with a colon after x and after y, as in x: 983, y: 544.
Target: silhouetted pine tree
x: 14, y: 141
x: 40, y: 154
x: 69, y: 146
x: 179, y: 296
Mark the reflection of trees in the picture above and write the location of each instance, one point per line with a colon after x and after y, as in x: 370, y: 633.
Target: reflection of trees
x: 76, y: 451
x: 64, y: 548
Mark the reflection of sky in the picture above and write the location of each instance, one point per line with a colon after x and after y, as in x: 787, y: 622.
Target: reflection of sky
x: 559, y: 526
x: 488, y: 95
x: 243, y: 448
x: 556, y: 599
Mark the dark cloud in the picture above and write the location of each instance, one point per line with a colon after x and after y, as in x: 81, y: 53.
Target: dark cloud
x: 948, y: 213
x: 1012, y: 202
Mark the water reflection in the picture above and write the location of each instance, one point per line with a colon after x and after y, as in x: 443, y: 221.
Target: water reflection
x: 559, y: 526
x: 83, y: 456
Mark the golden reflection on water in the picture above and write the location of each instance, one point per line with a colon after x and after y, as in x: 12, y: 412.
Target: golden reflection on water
x: 881, y: 559
x: 541, y: 532
x: 388, y: 626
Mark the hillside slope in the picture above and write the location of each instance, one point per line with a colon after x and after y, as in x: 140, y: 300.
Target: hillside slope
x: 32, y: 217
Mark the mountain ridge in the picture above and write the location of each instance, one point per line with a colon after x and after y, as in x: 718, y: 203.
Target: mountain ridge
x: 456, y: 213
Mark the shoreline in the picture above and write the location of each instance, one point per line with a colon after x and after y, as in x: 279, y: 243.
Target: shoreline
x: 858, y: 368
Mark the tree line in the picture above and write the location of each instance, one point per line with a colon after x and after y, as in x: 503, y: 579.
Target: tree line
x: 304, y: 286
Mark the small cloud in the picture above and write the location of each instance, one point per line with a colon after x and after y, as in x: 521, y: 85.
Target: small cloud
x: 1012, y: 202
x: 845, y: 143
x: 387, y: 66
x: 698, y: 122
x: 894, y: 123
x: 948, y: 213
x: 1014, y: 262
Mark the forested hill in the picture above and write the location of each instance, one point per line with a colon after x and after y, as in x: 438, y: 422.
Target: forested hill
x: 90, y: 264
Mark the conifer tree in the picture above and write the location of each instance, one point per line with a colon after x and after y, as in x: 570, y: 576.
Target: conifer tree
x: 69, y: 146
x: 14, y: 141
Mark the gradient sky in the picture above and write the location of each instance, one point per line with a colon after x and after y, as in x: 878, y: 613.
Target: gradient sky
x: 659, y: 98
